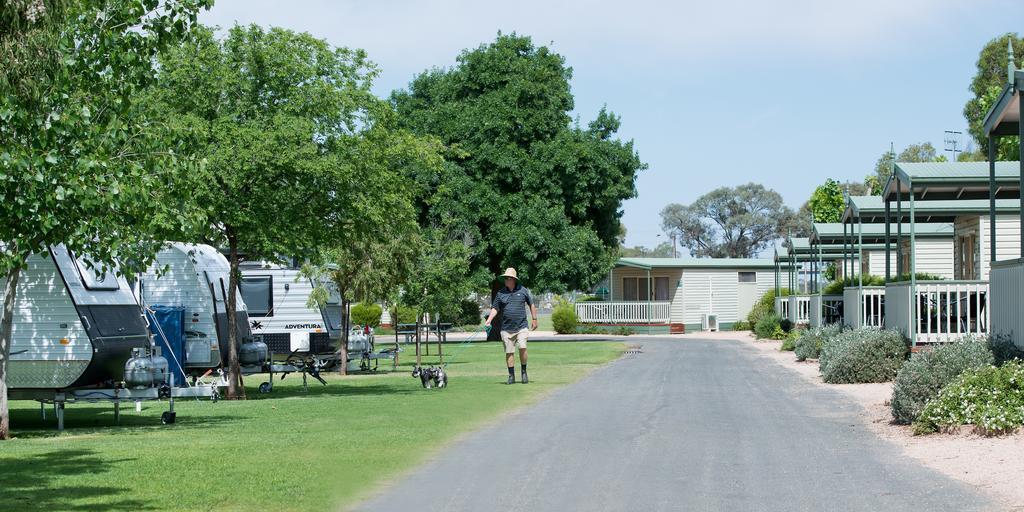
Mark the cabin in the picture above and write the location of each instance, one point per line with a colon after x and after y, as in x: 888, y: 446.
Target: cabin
x: 980, y: 200
x: 676, y: 295
x: 1007, y: 272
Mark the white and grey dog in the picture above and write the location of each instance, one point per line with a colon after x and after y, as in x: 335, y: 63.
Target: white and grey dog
x: 431, y: 377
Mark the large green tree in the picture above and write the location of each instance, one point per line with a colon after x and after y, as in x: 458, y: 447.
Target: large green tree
x: 79, y: 164
x: 524, y: 185
x: 730, y: 222
x: 281, y: 118
x: 987, y: 84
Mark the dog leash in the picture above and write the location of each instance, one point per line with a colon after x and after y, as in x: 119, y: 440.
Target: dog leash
x: 466, y: 343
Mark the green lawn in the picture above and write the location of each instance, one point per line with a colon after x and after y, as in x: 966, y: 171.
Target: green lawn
x: 285, y: 451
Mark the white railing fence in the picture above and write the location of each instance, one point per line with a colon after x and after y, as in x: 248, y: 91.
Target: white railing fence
x: 864, y: 306
x: 799, y: 309
x: 782, y: 307
x: 945, y: 310
x: 624, y: 312
x: 1005, y: 306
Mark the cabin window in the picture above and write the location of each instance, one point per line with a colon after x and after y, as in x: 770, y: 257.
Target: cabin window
x: 748, y: 277
x: 258, y: 294
x: 634, y: 288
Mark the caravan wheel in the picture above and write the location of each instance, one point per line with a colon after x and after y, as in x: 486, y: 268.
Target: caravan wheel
x: 266, y: 387
x: 168, y: 417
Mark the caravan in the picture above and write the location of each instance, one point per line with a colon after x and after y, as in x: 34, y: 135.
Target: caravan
x: 277, y: 299
x: 195, y: 278
x: 78, y: 334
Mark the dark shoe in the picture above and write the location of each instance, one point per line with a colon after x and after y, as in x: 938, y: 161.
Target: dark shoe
x: 511, y: 379
x: 526, y: 380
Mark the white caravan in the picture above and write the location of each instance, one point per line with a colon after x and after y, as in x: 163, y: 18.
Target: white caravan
x: 196, y: 277
x: 73, y: 326
x: 276, y: 298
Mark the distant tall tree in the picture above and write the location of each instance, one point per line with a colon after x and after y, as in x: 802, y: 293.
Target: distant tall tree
x: 730, y: 222
x: 78, y: 164
x: 922, y: 152
x: 988, y: 82
x: 662, y: 250
x: 524, y: 186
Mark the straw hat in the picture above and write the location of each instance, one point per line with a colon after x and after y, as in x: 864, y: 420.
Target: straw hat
x: 510, y: 272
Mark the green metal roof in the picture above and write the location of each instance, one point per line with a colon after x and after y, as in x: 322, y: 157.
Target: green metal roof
x: 649, y: 263
x: 832, y: 232
x: 951, y: 177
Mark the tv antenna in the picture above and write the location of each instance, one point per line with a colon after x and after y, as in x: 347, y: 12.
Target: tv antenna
x: 952, y: 140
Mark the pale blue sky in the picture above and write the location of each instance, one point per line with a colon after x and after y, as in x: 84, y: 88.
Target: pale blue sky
x: 724, y: 92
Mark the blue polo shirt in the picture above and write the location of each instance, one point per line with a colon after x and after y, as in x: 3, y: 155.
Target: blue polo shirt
x: 512, y: 305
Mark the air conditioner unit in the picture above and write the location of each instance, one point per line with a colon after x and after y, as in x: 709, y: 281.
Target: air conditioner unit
x: 709, y: 322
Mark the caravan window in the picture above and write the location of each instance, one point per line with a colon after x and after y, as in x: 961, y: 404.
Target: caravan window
x: 258, y: 294
x: 93, y: 277
x: 748, y: 277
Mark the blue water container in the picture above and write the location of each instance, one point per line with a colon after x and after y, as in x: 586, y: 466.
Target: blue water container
x: 170, y: 337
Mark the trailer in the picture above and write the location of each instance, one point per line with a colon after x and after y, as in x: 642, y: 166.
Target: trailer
x: 277, y: 302
x: 76, y: 331
x: 195, y: 278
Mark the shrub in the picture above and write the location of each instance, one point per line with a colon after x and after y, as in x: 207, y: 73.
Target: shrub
x: 837, y: 287
x: 927, y: 372
x: 764, y: 306
x: 741, y: 325
x: 406, y: 315
x: 920, y: 276
x: 366, y: 313
x: 768, y: 327
x: 808, y: 344
x: 789, y: 340
x: 622, y: 331
x: 563, y: 318
x: 469, y: 313
x: 1004, y: 350
x: 990, y: 398
x: 786, y: 324
x: 862, y: 355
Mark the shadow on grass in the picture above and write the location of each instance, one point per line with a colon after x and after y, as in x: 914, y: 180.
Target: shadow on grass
x: 37, y: 482
x: 336, y: 389
x: 89, y: 419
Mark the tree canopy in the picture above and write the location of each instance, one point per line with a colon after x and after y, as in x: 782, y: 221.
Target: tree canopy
x: 523, y: 185
x: 988, y: 82
x: 293, y: 138
x: 920, y: 152
x: 79, y: 164
x: 730, y: 222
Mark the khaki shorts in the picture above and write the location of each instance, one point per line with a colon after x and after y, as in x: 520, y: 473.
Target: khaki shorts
x: 514, y: 339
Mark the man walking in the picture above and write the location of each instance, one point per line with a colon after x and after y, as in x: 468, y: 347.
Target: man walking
x: 512, y: 301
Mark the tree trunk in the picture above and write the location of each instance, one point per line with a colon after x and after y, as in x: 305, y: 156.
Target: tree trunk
x: 343, y: 346
x: 236, y: 389
x: 495, y: 334
x: 6, y: 325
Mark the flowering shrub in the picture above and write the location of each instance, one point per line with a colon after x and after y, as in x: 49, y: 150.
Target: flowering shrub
x: 927, y: 372
x: 862, y: 355
x: 989, y: 398
x: 1004, y: 349
x: 808, y: 344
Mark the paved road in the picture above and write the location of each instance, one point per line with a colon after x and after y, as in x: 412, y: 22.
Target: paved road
x: 686, y: 425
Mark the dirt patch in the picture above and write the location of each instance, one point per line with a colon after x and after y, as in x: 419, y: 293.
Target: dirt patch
x: 992, y: 464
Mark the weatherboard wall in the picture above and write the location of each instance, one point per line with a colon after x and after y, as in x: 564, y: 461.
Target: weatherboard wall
x: 978, y: 228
